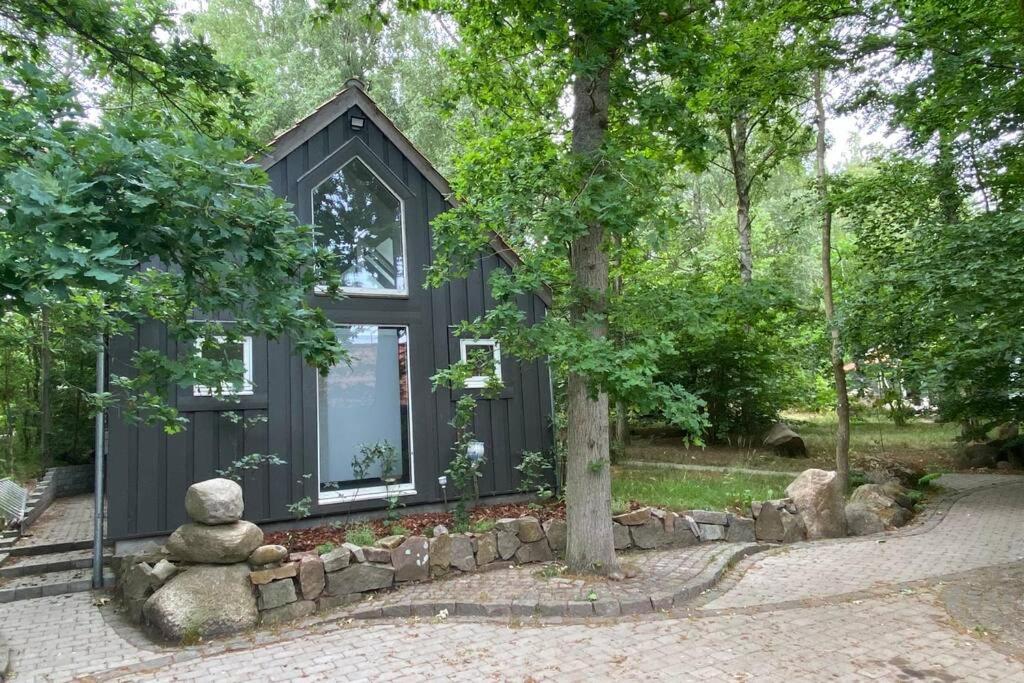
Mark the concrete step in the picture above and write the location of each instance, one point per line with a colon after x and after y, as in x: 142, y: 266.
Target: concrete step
x: 49, y: 584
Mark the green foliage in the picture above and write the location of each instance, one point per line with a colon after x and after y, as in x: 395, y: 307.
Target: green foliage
x: 482, y: 526
x: 301, y: 508
x: 688, y: 490
x: 361, y: 535
x: 534, y: 474
x: 249, y: 463
x: 324, y: 548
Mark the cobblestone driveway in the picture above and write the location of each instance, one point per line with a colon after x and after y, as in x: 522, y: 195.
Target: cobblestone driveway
x: 937, y: 603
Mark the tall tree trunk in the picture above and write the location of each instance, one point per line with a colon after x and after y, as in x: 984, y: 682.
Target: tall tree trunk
x: 741, y: 175
x: 838, y: 371
x: 588, y: 504
x: 45, y: 373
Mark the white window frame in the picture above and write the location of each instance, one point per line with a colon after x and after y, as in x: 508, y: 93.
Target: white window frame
x: 371, y: 492
x: 481, y: 381
x: 365, y: 291
x: 229, y: 389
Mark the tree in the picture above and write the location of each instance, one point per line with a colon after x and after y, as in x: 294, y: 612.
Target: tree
x: 754, y: 93
x: 152, y: 215
x: 297, y: 60
x: 562, y: 187
x: 836, y: 348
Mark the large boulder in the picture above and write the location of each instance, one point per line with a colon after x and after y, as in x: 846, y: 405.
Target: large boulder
x: 862, y: 520
x: 785, y: 441
x: 820, y: 503
x: 214, y: 501
x: 874, y: 498
x: 979, y: 455
x: 202, y: 602
x: 223, y: 544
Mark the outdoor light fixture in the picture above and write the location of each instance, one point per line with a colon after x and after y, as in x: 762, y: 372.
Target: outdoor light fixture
x: 475, y: 451
x: 443, y: 483
x: 357, y: 122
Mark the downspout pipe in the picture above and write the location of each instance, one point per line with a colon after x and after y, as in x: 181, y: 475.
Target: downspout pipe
x: 97, y: 529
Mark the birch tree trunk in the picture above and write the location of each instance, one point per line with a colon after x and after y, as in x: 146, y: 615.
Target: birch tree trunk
x: 589, y: 545
x: 741, y: 175
x: 836, y: 352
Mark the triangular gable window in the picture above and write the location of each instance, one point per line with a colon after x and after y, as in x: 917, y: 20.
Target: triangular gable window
x: 359, y: 218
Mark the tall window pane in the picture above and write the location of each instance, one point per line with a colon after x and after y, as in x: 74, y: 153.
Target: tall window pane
x: 358, y: 218
x: 365, y: 403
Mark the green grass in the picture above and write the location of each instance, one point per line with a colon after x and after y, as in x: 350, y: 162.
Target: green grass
x: 871, y: 434
x: 692, y: 490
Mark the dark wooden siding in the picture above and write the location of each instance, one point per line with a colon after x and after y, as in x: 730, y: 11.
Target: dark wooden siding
x: 149, y: 471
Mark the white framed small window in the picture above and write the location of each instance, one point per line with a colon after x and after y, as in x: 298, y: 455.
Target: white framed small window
x: 240, y: 351
x: 484, y: 358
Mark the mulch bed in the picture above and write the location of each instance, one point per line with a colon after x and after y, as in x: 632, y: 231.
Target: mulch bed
x: 417, y: 524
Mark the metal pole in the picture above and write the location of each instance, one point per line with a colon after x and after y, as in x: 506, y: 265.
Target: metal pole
x: 97, y: 529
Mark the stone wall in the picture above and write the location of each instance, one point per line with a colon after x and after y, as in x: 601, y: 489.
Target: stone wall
x: 73, y: 480
x: 278, y: 586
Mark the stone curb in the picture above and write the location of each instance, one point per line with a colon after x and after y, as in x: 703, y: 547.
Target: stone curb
x: 710, y: 575
x: 17, y: 570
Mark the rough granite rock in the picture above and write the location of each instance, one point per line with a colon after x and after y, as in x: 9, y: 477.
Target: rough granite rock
x: 873, y: 497
x: 358, y: 578
x: 620, y: 536
x: 710, y: 517
x: 214, y: 501
x: 820, y: 502
x: 538, y: 551
x: 530, y: 530
x: 740, y: 530
x: 267, y: 554
x: 462, y: 553
x: 411, y: 559
x: 440, y: 551
x: 486, y: 548
x: 204, y: 601
x: 768, y: 526
x: 312, y: 579
x: 277, y: 594
x: 337, y: 559
x: 634, y: 517
x: 137, y: 583
x: 222, y: 544
x: 391, y: 542
x: 861, y: 520
x: 508, y: 544
x: 682, y: 534
x: 785, y: 441
x: 793, y: 527
x: 555, y: 530
x: 265, y: 576
x: 651, y: 534
x: 509, y: 524
x: 379, y: 555
x: 284, y: 613
x: 357, y: 551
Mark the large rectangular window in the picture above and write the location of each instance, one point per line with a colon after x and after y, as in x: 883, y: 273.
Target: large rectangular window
x: 364, y: 416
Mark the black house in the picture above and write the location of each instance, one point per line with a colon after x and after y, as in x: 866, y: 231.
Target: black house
x: 350, y: 172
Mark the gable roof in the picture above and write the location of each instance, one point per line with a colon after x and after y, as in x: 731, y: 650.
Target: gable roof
x: 354, y: 94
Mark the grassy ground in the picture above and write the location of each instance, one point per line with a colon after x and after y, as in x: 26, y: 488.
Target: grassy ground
x: 925, y: 445
x: 692, y: 490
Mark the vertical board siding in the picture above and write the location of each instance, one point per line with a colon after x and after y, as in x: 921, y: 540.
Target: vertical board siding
x: 150, y: 470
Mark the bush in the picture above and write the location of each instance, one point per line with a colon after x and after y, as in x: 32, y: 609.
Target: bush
x: 361, y: 535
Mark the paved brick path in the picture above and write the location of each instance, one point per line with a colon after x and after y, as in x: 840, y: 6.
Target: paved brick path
x: 839, y: 618
x: 67, y: 519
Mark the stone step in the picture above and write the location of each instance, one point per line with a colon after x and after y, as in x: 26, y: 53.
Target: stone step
x: 49, y: 584
x: 42, y: 564
x: 25, y: 549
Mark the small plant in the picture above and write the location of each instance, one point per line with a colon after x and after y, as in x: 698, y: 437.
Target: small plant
x: 482, y: 526
x: 533, y: 474
x: 551, y: 571
x: 191, y: 635
x: 324, y: 548
x: 926, y: 481
x: 301, y: 508
x: 398, y: 530
x: 361, y: 535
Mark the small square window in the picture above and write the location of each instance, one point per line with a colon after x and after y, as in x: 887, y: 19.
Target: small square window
x: 237, y: 351
x: 484, y: 358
